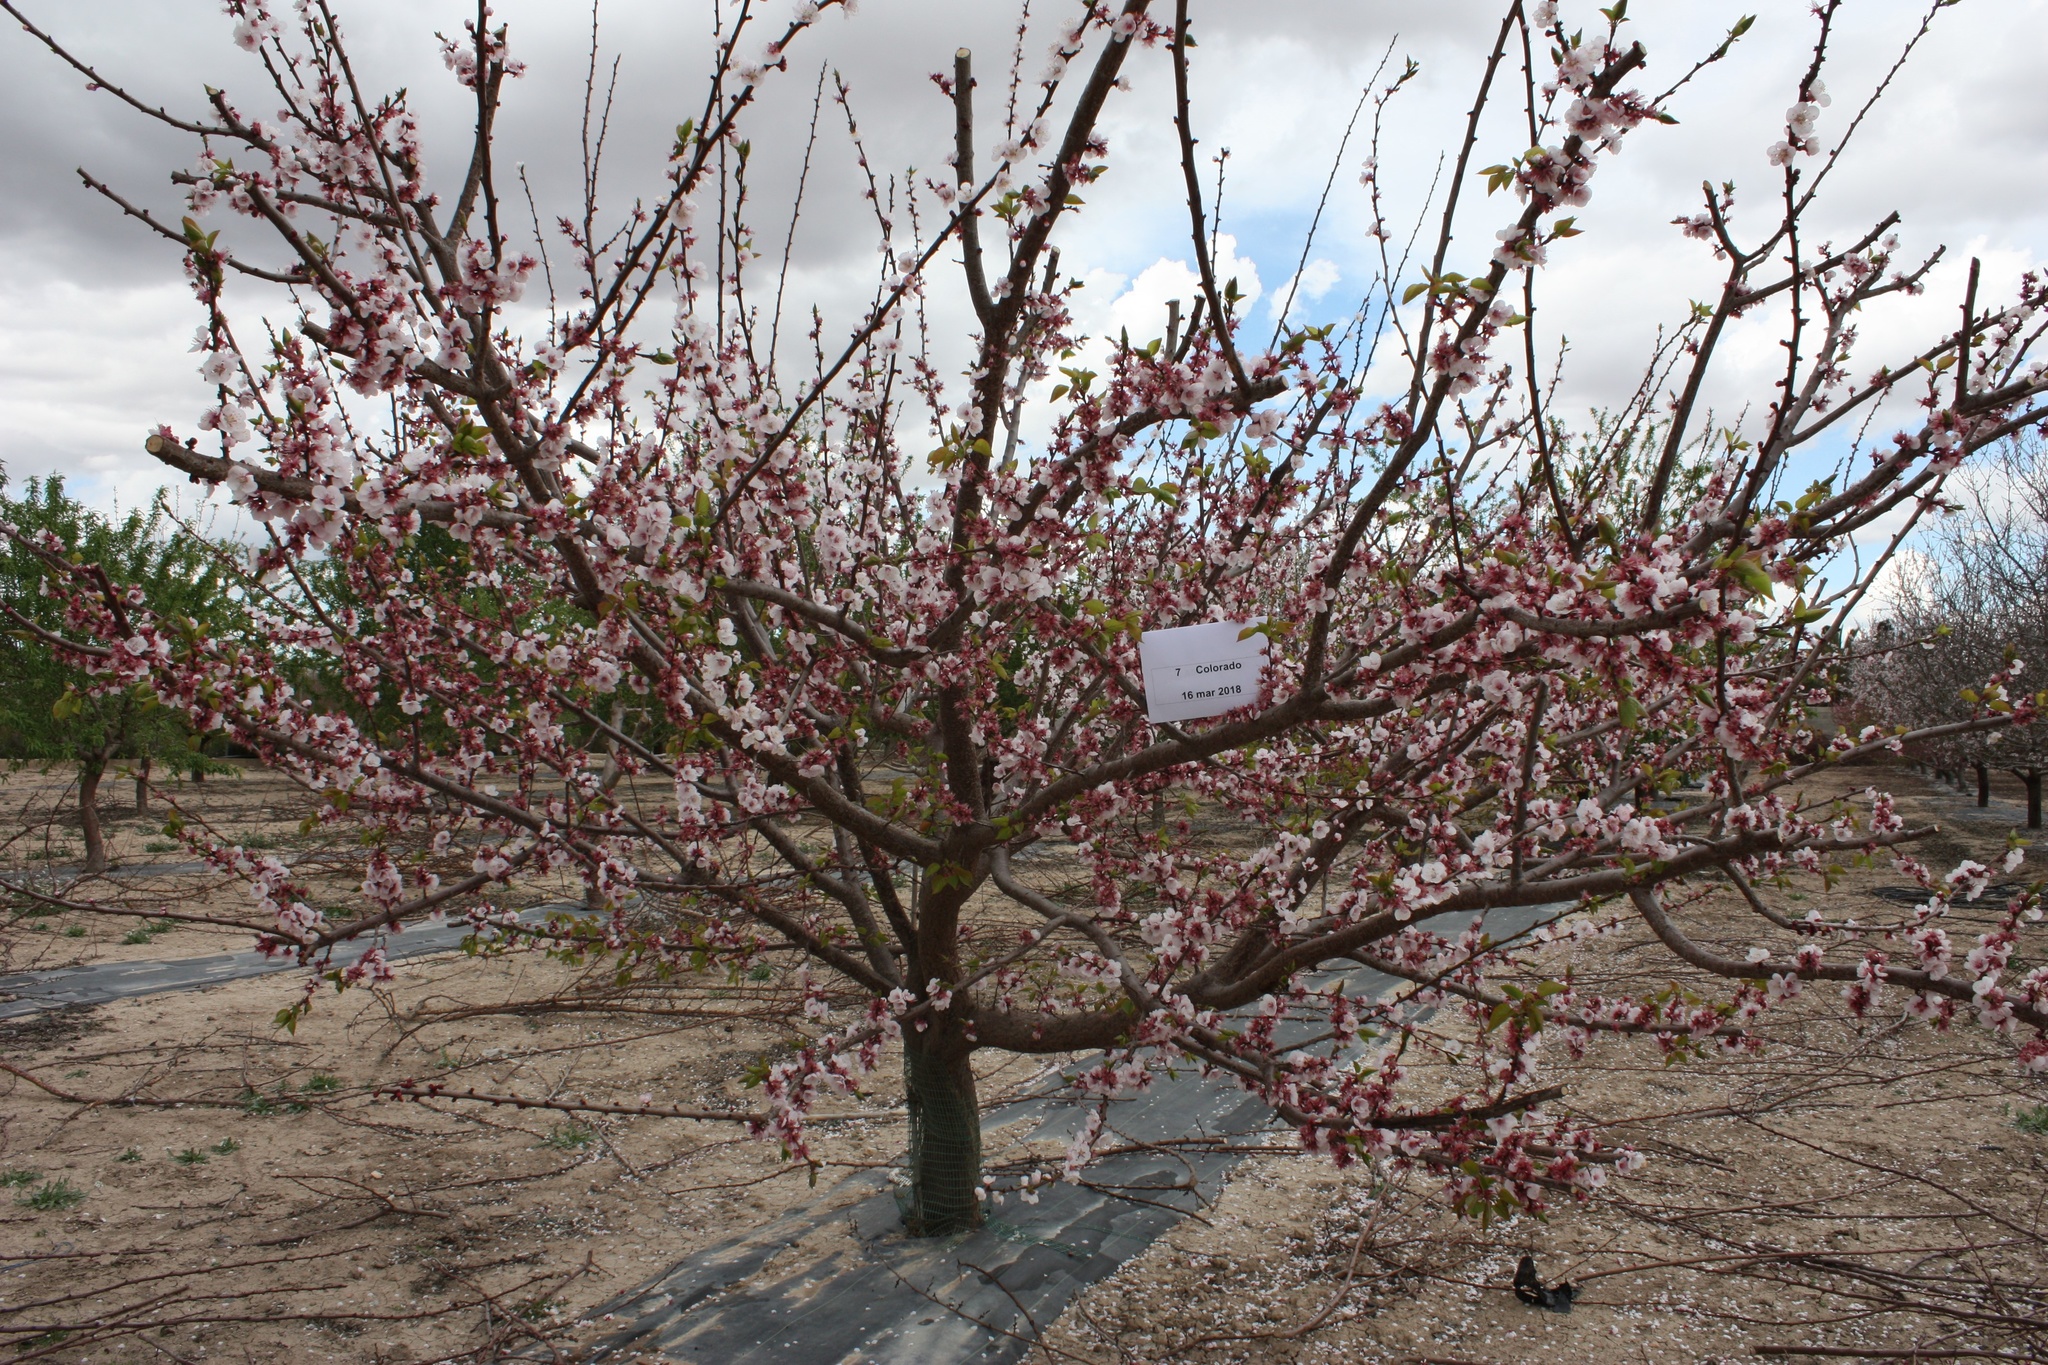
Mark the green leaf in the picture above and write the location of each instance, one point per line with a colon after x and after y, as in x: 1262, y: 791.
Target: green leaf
x: 468, y: 439
x: 1409, y: 294
x: 1751, y: 574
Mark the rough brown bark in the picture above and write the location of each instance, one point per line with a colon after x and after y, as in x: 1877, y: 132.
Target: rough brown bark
x: 89, y: 775
x: 142, y: 787
x: 1983, y: 785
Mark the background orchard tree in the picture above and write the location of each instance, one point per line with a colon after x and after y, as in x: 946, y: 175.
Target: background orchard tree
x: 1973, y: 602
x: 872, y: 620
x: 52, y: 708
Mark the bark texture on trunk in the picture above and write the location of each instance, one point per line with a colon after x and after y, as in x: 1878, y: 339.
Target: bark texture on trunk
x: 142, y: 787
x: 1983, y: 785
x: 2032, y: 778
x: 89, y: 816
x: 945, y: 1140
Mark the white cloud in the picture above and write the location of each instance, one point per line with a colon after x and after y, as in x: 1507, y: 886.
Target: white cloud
x: 94, y: 350
x: 1140, y: 308
x: 85, y: 372
x: 1309, y: 285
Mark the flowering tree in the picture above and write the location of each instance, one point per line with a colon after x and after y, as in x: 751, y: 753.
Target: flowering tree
x: 870, y: 681
x: 1970, y: 607
x: 1918, y: 663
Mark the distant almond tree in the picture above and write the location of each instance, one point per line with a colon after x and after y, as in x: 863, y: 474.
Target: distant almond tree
x: 1974, y: 604
x: 58, y: 707
x: 861, y: 615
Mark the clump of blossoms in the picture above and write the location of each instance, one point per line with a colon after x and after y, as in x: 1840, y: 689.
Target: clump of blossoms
x: 854, y: 684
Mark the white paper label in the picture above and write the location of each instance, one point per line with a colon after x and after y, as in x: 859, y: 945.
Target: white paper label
x: 1197, y: 671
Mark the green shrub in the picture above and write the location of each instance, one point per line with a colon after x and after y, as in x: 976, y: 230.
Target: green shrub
x: 258, y: 1105
x: 191, y: 1156
x: 135, y: 936
x: 570, y: 1137
x: 75, y: 931
x: 2033, y: 1120
x: 15, y: 1179
x: 319, y: 1083
x: 53, y: 1196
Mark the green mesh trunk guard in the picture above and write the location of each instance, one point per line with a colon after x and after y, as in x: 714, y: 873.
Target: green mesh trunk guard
x: 945, y: 1145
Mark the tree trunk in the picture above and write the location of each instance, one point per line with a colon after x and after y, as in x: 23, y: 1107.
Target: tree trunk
x: 142, y: 787
x: 89, y: 775
x: 1983, y: 785
x: 2032, y: 777
x: 945, y: 1136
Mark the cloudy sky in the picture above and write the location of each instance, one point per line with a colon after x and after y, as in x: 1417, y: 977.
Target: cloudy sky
x: 97, y: 322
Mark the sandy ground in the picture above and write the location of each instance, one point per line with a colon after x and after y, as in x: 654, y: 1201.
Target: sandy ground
x: 349, y: 1228
x: 267, y: 1206
x: 248, y: 1196
x: 1833, y: 1193
x: 42, y: 849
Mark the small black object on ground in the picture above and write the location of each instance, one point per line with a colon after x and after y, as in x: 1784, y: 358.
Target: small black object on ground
x: 1529, y: 1289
